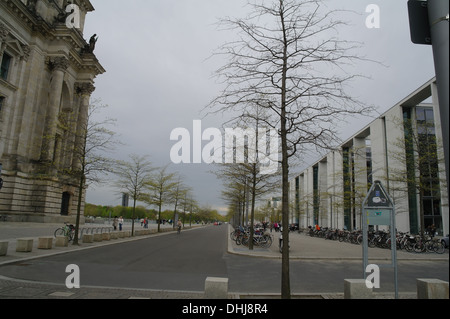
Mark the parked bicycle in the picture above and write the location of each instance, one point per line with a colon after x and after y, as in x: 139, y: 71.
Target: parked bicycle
x: 260, y: 238
x: 67, y: 230
x: 382, y: 239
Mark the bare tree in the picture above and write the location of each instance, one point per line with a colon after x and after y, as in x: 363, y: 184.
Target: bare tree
x: 289, y: 61
x: 160, y: 190
x: 93, y: 140
x: 132, y: 179
x: 179, y: 193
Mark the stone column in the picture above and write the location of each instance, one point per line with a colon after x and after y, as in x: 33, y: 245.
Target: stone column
x: 58, y: 66
x: 3, y: 34
x: 360, y: 175
x: 84, y: 90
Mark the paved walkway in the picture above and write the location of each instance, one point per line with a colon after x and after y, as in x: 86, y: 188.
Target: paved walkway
x: 302, y: 247
x: 305, y: 247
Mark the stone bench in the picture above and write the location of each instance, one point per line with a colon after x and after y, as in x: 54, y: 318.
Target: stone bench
x: 62, y: 241
x: 24, y: 245
x: 216, y: 288
x: 3, y: 248
x: 45, y: 243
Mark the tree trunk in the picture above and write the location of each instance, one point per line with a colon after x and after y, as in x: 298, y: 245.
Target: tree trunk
x: 80, y: 198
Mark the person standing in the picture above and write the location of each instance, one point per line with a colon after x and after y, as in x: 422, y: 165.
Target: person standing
x: 120, y: 223
x: 115, y: 222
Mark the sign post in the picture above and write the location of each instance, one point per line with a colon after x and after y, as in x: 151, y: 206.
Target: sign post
x: 378, y: 210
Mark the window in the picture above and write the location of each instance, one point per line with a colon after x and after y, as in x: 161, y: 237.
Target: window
x: 2, y: 102
x: 6, y: 62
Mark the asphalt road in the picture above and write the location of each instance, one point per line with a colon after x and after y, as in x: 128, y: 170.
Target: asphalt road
x: 182, y: 263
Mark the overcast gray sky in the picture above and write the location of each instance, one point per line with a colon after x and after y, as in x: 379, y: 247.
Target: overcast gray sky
x: 159, y: 76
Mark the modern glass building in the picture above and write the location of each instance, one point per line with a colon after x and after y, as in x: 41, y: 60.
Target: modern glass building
x: 402, y: 149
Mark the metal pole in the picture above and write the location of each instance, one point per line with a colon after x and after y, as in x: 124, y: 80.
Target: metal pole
x: 438, y: 12
x: 394, y: 250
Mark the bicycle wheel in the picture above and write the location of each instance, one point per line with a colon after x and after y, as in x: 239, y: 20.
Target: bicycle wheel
x: 60, y: 232
x: 409, y: 247
x: 268, y: 242
x: 429, y: 246
x: 71, y: 235
x: 245, y: 240
x: 239, y: 240
x: 419, y: 247
x: 439, y: 248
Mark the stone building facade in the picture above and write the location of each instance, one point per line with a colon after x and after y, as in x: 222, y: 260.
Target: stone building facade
x: 47, y: 78
x: 331, y: 191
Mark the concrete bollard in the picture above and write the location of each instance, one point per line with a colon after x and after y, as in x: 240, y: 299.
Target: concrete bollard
x: 357, y: 289
x: 3, y: 248
x: 62, y: 241
x: 24, y: 245
x: 216, y: 288
x: 98, y: 237
x: 88, y: 238
x: 45, y: 243
x: 106, y: 236
x: 432, y: 289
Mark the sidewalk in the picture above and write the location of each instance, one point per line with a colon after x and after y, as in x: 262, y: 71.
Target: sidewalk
x: 22, y: 289
x: 10, y: 232
x: 305, y: 247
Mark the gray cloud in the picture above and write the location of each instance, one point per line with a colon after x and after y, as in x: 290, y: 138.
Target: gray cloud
x: 159, y: 78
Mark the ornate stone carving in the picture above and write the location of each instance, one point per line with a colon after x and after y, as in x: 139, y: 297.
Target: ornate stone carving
x: 58, y: 63
x: 84, y: 88
x: 89, y: 48
x: 4, y: 31
x: 26, y: 51
x: 31, y: 5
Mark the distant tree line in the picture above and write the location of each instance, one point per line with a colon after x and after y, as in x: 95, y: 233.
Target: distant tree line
x: 205, y: 215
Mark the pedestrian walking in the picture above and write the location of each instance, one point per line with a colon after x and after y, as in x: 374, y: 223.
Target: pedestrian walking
x: 179, y: 224
x: 115, y: 222
x: 120, y: 223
